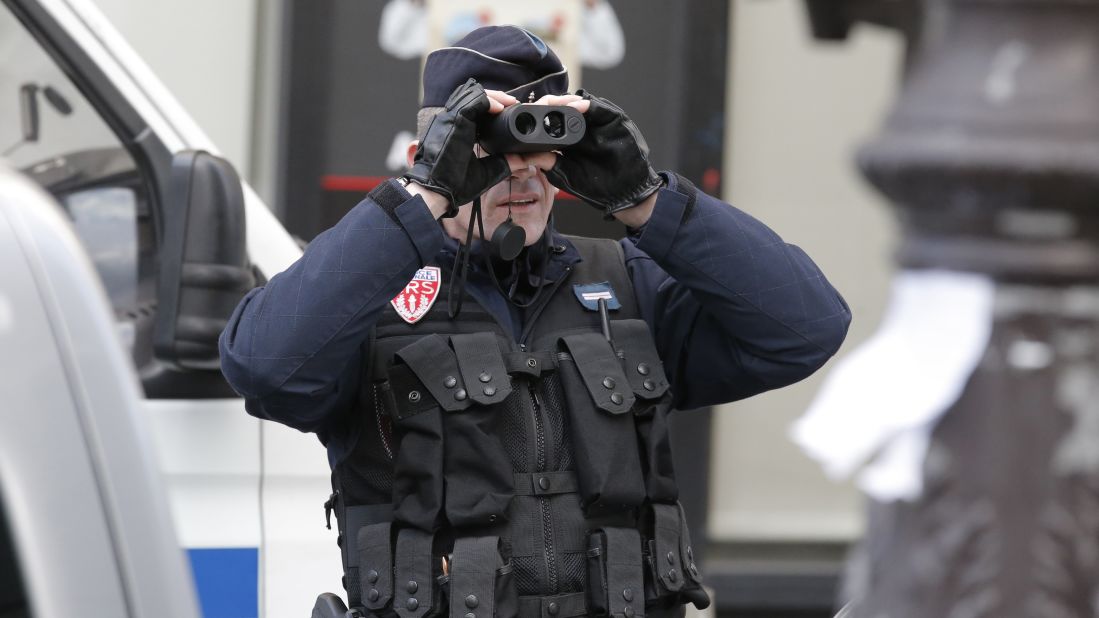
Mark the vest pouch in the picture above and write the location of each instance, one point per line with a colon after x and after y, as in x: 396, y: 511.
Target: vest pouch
x: 413, y: 575
x: 350, y: 521
x: 375, y: 548
x: 615, y: 578
x: 481, y: 582
x: 645, y: 372
x: 417, y: 396
x: 604, y: 436
x: 672, y: 577
x: 479, y: 482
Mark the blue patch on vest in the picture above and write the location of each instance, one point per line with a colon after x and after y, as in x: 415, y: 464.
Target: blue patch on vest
x: 589, y: 294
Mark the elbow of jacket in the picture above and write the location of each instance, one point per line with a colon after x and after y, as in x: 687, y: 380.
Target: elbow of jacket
x: 797, y: 364
x: 838, y: 333
x: 827, y: 342
x: 297, y: 415
x: 241, y: 373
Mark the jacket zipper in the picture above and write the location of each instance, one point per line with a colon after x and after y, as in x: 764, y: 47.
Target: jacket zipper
x: 540, y: 439
x: 543, y: 503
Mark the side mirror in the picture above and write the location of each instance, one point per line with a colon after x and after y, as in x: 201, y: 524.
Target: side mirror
x: 204, y: 267
x: 28, y: 112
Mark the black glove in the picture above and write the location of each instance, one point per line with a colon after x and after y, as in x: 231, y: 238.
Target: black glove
x: 609, y: 167
x: 445, y: 162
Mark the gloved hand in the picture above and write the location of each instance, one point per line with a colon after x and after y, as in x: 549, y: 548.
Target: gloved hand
x: 445, y: 162
x: 609, y: 167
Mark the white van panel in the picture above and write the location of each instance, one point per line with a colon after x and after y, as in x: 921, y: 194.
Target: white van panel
x: 208, y: 451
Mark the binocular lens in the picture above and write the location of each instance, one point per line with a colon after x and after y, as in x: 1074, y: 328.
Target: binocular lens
x: 554, y: 123
x: 525, y: 123
x: 528, y: 127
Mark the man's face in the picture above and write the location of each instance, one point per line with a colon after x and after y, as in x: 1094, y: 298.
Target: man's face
x: 527, y: 196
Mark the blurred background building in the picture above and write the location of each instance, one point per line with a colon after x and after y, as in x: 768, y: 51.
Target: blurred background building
x: 304, y: 100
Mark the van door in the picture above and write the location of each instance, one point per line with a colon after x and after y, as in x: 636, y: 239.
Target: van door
x: 86, y: 526
x: 79, y: 119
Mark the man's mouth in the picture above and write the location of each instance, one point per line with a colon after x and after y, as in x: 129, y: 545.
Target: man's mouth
x: 518, y: 202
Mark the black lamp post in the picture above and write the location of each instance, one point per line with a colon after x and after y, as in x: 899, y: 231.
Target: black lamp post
x: 991, y: 158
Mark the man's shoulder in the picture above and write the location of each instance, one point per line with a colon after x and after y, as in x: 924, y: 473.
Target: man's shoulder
x: 585, y: 244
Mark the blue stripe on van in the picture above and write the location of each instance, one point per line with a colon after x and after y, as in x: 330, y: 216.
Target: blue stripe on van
x: 227, y: 581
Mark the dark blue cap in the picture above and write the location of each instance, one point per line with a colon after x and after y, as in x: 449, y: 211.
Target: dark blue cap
x: 504, y: 58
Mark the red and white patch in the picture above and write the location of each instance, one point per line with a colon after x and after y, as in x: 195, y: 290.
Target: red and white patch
x: 416, y: 299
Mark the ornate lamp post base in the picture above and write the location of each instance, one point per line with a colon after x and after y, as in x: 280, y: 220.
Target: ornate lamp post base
x: 991, y: 156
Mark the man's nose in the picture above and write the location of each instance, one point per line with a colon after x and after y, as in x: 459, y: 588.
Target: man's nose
x: 521, y: 168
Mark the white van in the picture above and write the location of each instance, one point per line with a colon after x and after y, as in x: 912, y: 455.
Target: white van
x: 175, y: 238
x: 84, y: 520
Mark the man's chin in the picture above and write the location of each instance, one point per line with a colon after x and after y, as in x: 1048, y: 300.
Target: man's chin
x: 533, y: 234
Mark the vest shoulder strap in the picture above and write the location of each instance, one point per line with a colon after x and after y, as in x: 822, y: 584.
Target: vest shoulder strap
x: 603, y: 258
x: 602, y: 262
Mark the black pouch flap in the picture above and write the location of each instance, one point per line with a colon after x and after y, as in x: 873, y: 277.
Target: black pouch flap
x: 532, y: 364
x: 640, y: 361
x: 667, y: 558
x: 375, y: 565
x: 359, y: 517
x: 601, y: 371
x: 482, y: 367
x: 625, y: 579
x: 433, y: 362
x: 686, y: 552
x: 473, y: 576
x: 404, y: 395
x: 412, y: 574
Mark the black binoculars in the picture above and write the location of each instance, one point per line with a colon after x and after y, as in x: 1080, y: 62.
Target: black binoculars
x: 527, y: 127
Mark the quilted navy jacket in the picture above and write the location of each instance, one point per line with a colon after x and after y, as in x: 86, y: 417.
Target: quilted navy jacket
x: 734, y: 309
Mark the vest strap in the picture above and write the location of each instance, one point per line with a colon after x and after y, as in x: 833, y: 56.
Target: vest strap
x: 671, y: 560
x: 615, y: 576
x: 666, y: 558
x: 431, y: 359
x: 412, y: 596
x: 601, y: 371
x: 625, y: 579
x: 482, y: 367
x: 545, y: 483
x: 358, y: 517
x: 640, y: 360
x: 532, y: 364
x: 375, y: 565
x: 563, y: 606
x: 407, y: 395
x: 473, y: 577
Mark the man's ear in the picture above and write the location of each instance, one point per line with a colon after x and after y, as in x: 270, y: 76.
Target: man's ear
x: 411, y: 155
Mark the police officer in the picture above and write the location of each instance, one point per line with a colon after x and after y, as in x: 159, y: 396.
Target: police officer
x: 506, y: 453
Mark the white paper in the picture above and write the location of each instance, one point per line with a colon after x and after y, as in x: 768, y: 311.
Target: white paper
x: 886, y: 397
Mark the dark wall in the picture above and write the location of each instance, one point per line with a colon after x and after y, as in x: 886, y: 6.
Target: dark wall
x: 348, y: 99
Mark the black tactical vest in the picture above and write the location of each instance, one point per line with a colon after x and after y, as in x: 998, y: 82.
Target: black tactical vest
x: 501, y: 478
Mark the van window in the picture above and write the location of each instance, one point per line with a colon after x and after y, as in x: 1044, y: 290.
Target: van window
x: 50, y: 132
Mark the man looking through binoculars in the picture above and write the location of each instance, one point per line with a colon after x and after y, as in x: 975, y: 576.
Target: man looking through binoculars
x: 508, y: 455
